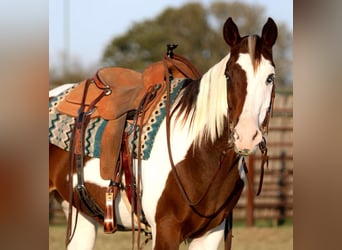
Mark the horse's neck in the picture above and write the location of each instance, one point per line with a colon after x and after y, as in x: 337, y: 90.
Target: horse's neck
x: 215, y: 155
x: 211, y: 172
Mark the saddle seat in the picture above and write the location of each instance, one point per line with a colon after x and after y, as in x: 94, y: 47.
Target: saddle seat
x: 127, y: 89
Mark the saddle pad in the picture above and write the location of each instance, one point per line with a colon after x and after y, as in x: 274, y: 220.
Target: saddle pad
x: 149, y: 131
x: 61, y: 126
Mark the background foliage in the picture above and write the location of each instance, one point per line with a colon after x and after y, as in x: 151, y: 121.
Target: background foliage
x: 198, y: 32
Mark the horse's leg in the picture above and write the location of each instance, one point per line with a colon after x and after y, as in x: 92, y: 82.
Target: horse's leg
x: 86, y: 230
x: 209, y: 241
x: 167, y: 235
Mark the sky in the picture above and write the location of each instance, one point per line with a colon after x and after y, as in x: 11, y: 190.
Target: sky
x: 93, y: 24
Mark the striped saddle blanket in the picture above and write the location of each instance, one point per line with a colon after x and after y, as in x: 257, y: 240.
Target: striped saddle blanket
x: 61, y: 125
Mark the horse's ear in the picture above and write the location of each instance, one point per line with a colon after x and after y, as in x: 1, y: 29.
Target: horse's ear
x: 269, y: 32
x: 231, y: 32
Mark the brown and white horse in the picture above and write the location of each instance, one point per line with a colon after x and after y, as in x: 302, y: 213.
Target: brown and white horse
x: 215, y: 122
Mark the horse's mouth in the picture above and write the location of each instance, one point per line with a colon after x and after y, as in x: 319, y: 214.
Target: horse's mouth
x: 243, y: 152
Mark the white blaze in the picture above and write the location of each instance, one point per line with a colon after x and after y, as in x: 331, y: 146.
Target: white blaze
x: 247, y: 131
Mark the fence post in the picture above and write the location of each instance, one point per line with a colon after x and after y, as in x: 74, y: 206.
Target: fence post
x: 250, y: 193
x: 281, y: 183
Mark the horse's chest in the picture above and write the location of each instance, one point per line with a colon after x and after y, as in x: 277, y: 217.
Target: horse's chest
x: 215, y: 201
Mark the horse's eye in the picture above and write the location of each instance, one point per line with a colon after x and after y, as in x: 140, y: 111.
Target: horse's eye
x: 270, y: 79
x: 228, y: 77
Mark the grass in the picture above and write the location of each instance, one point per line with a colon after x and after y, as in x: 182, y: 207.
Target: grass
x: 255, y: 238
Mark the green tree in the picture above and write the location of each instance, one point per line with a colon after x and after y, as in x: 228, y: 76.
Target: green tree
x: 146, y: 42
x: 198, y: 31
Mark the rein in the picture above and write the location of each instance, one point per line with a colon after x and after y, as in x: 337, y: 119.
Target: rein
x: 168, y: 78
x: 264, y: 159
x: 136, y: 192
x: 262, y: 145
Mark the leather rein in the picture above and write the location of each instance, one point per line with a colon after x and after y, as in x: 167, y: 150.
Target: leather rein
x: 194, y: 74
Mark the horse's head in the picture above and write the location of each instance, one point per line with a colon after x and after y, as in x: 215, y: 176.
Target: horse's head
x: 250, y: 84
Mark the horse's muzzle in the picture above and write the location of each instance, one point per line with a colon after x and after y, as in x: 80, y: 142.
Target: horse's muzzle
x: 245, y: 144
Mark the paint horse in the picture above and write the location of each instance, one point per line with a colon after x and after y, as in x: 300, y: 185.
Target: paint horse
x: 188, y: 192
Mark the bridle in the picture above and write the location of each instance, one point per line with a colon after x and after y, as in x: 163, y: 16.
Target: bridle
x: 264, y: 130
x: 262, y: 144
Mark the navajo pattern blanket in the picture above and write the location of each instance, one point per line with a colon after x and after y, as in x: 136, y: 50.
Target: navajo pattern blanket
x: 61, y: 126
x: 149, y: 131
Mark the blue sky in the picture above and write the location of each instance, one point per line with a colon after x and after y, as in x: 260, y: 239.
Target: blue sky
x: 93, y: 24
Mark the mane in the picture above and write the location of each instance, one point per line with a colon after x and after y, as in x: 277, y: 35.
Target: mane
x: 209, y: 108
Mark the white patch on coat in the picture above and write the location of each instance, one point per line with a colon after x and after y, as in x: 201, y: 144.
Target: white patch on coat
x: 258, y: 97
x: 56, y: 91
x: 92, y: 175
x: 156, y: 170
x: 210, y: 240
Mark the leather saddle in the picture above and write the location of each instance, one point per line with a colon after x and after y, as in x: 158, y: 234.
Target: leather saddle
x: 118, y: 91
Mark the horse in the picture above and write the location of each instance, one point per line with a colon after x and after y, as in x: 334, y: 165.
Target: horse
x: 189, y: 191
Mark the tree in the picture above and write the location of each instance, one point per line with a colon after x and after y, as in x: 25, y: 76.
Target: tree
x: 146, y: 42
x: 198, y: 31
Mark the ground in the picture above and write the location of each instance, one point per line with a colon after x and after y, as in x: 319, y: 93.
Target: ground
x: 256, y: 238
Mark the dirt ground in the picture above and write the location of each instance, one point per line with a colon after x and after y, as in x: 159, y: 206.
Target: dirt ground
x: 257, y: 238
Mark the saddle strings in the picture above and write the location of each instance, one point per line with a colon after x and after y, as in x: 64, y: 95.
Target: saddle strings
x: 136, y: 196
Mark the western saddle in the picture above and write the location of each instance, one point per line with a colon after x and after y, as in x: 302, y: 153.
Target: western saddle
x: 114, y: 94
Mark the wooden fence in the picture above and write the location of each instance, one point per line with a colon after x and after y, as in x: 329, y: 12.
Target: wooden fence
x: 276, y: 199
